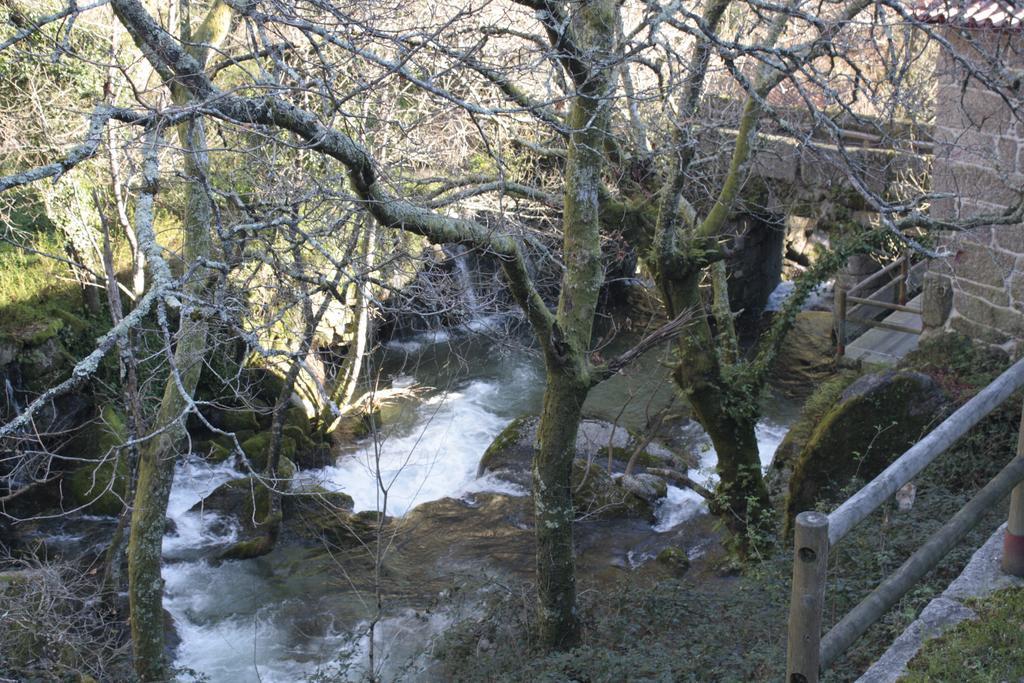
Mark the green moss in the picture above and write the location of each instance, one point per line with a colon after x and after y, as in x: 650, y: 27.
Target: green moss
x: 509, y: 437
x: 674, y: 558
x: 249, y: 549
x: 239, y: 420
x: 811, y: 414
x: 218, y: 453
x: 874, y: 421
x: 286, y: 468
x: 986, y: 649
x: 103, y: 485
x: 100, y: 486
x: 257, y: 449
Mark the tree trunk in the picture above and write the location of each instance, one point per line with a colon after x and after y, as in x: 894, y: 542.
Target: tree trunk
x: 593, y: 31
x: 156, y: 462
x: 557, y: 620
x: 726, y: 411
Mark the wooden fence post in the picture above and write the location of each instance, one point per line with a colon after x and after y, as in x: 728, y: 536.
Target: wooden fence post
x: 902, y: 286
x: 810, y: 561
x: 1013, y: 541
x: 839, y: 314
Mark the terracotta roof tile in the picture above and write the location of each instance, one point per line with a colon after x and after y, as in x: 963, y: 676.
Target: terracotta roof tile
x: 998, y: 14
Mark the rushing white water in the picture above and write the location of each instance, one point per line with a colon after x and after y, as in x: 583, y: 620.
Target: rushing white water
x: 237, y: 621
x: 437, y: 456
x: 682, y: 504
x: 819, y: 298
x: 255, y: 620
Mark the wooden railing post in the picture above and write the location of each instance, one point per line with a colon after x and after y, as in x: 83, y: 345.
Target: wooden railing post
x: 901, y: 286
x: 839, y: 315
x: 1013, y: 541
x: 810, y: 561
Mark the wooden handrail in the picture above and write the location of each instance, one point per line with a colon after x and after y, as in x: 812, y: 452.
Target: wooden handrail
x: 861, y: 504
x: 889, y: 592
x: 807, y: 652
x: 881, y: 304
x: 877, y: 274
x: 886, y: 325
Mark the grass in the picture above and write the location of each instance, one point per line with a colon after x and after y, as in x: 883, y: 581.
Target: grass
x: 988, y: 649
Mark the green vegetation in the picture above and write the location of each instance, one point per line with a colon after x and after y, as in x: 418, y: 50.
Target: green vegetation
x: 989, y: 649
x: 37, y: 296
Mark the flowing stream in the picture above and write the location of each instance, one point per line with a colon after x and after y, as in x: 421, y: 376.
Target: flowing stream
x: 279, y: 617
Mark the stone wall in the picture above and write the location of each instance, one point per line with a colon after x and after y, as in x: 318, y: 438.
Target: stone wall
x: 979, y: 161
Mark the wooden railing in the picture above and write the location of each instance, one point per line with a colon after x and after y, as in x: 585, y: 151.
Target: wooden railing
x: 843, y: 314
x: 808, y: 653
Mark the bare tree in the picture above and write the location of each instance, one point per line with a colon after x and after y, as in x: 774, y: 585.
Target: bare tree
x: 538, y: 129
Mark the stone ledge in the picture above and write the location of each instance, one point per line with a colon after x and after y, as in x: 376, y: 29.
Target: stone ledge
x: 979, y: 578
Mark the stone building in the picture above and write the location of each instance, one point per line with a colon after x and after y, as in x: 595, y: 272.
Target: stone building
x: 979, y: 163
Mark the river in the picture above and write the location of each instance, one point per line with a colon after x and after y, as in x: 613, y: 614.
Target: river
x: 284, y: 617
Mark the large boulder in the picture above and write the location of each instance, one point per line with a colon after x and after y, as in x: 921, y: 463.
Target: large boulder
x: 873, y: 422
x: 101, y: 485
x: 808, y: 357
x: 314, y: 514
x: 817, y: 405
x: 246, y: 502
x: 595, y: 491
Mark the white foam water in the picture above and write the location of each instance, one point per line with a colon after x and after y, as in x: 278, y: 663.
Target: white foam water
x: 436, y: 458
x: 681, y: 504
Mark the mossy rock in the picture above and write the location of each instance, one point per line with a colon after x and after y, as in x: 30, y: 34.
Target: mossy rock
x: 34, y: 332
x: 217, y: 453
x: 246, y: 500
x: 250, y: 548
x: 510, y: 457
x: 43, y: 364
x: 295, y: 417
x: 788, y: 452
x: 808, y: 357
x: 286, y: 468
x: 873, y: 422
x: 675, y: 559
x: 101, y: 487
x: 104, y: 484
x: 330, y: 520
x: 257, y: 449
x: 314, y: 499
x: 511, y: 447
x: 595, y: 495
x: 237, y: 420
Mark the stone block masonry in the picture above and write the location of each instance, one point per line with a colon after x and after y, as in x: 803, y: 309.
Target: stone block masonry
x: 979, y: 165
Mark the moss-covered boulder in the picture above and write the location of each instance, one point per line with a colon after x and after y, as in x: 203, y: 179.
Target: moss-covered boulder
x: 674, y: 559
x: 257, y: 450
x: 103, y: 484
x: 808, y: 357
x: 817, y: 405
x: 238, y: 419
x: 245, y: 501
x: 873, y: 422
x: 596, y: 492
x: 328, y: 519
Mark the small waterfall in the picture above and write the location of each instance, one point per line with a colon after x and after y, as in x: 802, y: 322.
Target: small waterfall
x: 464, y: 278
x: 13, y: 407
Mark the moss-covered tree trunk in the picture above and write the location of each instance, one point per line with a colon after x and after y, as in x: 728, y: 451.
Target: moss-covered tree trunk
x: 592, y: 31
x: 553, y: 509
x: 723, y: 408
x: 158, y: 455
